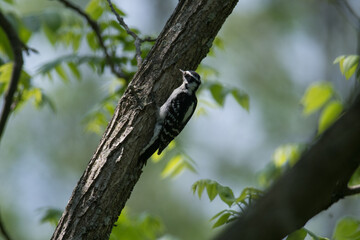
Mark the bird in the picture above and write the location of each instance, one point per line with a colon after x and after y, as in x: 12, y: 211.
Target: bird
x: 173, y: 115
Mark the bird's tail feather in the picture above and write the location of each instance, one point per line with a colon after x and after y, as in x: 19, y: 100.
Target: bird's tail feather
x: 147, y: 153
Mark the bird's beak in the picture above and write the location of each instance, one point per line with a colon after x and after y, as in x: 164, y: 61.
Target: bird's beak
x: 182, y: 71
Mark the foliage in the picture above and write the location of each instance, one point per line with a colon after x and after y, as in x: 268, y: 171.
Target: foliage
x: 50, y: 215
x: 143, y: 226
x: 284, y: 157
x: 348, y: 64
x: 213, y: 189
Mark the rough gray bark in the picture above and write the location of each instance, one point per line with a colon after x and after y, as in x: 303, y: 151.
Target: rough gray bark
x: 111, y: 174
x: 316, y: 182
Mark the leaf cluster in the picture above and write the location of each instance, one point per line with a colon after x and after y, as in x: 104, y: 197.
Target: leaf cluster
x: 225, y: 193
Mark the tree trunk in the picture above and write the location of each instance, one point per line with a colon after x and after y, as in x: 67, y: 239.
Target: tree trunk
x: 114, y: 169
x: 317, y: 181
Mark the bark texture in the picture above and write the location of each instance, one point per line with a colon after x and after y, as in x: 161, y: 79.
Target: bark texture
x: 317, y: 181
x: 113, y: 171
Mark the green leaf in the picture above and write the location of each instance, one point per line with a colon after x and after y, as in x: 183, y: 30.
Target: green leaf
x: 226, y: 195
x: 199, y: 186
x: 222, y: 220
x: 50, y: 34
x: 297, y: 235
x: 59, y: 70
x: 348, y: 64
x: 347, y: 228
x: 219, y: 43
x: 91, y: 40
x: 286, y: 153
x: 218, y: 93
x: 5, y: 72
x: 218, y: 214
x: 51, y: 215
x: 242, y: 98
x: 248, y: 193
x: 94, y: 9
x: 120, y: 12
x: 330, y: 113
x: 316, y: 96
x: 5, y: 46
x: 74, y: 69
x: 211, y: 189
x: 96, y: 122
x: 355, y: 178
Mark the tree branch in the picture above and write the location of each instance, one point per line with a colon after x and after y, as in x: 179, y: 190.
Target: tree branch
x: 17, y: 47
x: 3, y: 231
x: 137, y: 39
x: 315, y: 183
x: 349, y: 191
x: 114, y: 169
x: 349, y: 13
x: 95, y: 27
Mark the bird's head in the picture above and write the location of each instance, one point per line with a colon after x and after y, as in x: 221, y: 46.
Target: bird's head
x: 191, y: 79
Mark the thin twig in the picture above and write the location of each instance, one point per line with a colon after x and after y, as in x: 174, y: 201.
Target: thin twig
x: 137, y: 39
x: 17, y: 47
x: 349, y: 13
x: 95, y: 27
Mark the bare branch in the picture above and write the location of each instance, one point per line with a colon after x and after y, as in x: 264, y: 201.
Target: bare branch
x: 316, y: 182
x: 349, y: 191
x: 349, y: 13
x: 3, y: 231
x: 137, y: 39
x: 95, y: 27
x: 17, y: 47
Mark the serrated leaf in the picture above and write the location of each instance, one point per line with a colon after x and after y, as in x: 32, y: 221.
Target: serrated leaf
x: 172, y: 166
x: 211, y: 189
x: 297, y: 235
x: 222, y: 220
x: 346, y: 229
x: 226, y: 195
x: 328, y: 116
x: 316, y: 96
x: 241, y: 98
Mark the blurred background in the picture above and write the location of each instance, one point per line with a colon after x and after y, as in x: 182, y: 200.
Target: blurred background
x: 271, y: 49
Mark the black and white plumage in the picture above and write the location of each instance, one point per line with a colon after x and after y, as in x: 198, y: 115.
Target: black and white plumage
x: 174, y: 114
